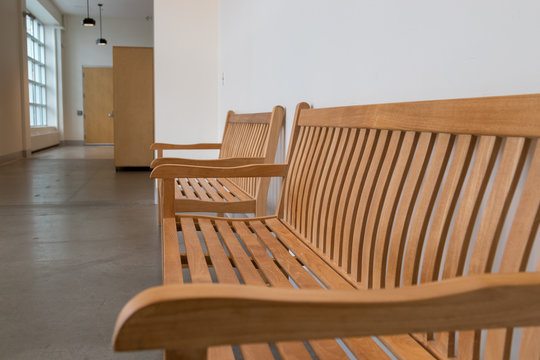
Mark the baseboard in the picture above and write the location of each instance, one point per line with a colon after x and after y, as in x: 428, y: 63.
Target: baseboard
x: 11, y: 157
x: 72, y: 142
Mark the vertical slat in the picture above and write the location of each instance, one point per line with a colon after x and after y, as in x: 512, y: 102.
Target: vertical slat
x: 294, y: 173
x: 468, y: 207
x: 226, y: 132
x: 305, y: 175
x: 308, y: 138
x: 442, y: 215
x: 530, y: 346
x: 328, y: 203
x: 313, y: 190
x: 375, y: 208
x: 323, y: 186
x: 525, y: 221
x: 408, y: 199
x: 309, y: 178
x: 292, y: 154
x: 334, y: 194
x: 383, y: 231
x: 466, y: 213
x: 515, y: 256
x: 342, y: 252
x: 491, y: 224
x: 343, y: 203
x: 505, y: 183
x: 356, y: 254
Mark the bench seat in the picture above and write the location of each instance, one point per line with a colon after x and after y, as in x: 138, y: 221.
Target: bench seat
x: 265, y: 252
x: 212, y: 195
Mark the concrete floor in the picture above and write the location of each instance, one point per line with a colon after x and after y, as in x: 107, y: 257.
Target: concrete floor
x: 77, y: 241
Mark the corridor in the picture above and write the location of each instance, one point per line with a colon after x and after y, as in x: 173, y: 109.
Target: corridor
x: 77, y: 241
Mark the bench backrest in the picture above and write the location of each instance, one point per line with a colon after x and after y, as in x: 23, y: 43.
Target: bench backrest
x: 406, y: 193
x: 252, y: 135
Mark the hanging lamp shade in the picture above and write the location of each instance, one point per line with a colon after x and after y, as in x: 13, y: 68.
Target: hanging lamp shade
x: 100, y: 41
x: 88, y: 21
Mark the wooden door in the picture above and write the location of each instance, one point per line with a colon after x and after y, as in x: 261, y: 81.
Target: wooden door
x: 98, y: 104
x: 133, y: 78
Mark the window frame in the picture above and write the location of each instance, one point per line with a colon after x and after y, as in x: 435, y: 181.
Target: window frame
x: 36, y: 62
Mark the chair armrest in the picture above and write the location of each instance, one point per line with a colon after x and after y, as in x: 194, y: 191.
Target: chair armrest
x: 163, y: 146
x: 197, y: 316
x: 178, y: 171
x: 226, y: 162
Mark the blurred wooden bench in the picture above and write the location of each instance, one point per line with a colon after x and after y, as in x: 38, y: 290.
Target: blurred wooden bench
x: 402, y: 229
x: 247, y: 139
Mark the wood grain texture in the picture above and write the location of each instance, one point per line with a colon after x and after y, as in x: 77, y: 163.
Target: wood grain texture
x: 98, y: 103
x: 367, y: 213
x: 501, y: 115
x: 247, y: 139
x: 133, y: 76
x: 278, y: 314
x: 177, y: 171
x: 201, y: 146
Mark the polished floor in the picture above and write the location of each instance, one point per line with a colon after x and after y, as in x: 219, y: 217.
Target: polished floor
x: 77, y: 240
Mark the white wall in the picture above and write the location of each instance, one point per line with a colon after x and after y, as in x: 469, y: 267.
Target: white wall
x: 12, y: 128
x: 186, y: 72
x: 80, y: 49
x: 341, y: 52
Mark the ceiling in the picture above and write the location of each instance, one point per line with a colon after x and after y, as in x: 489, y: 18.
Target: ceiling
x: 111, y: 8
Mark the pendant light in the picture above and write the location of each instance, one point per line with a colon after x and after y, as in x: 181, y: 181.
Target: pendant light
x: 101, y: 41
x: 88, y: 21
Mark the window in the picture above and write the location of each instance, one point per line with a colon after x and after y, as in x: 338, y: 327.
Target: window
x: 36, y: 71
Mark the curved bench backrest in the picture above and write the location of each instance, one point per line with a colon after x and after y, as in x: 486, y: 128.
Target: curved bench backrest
x: 252, y: 135
x: 405, y: 193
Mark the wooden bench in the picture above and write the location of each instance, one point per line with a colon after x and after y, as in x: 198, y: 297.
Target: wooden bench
x: 247, y: 139
x: 416, y: 223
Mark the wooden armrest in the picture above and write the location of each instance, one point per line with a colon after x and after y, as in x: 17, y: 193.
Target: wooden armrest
x: 163, y: 146
x: 197, y: 316
x: 226, y: 162
x: 178, y: 171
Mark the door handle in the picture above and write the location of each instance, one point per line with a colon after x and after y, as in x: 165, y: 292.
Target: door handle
x: 111, y: 114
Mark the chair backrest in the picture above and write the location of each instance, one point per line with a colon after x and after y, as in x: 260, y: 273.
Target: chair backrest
x: 252, y: 135
x: 406, y: 193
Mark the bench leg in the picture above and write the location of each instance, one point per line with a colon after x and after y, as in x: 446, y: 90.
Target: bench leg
x: 188, y: 354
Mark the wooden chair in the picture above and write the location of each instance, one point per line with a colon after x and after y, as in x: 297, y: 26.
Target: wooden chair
x: 247, y: 139
x: 416, y: 223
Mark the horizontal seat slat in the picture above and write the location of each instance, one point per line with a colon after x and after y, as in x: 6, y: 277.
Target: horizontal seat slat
x: 222, y: 191
x: 187, y: 190
x: 235, y: 190
x: 212, y: 193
